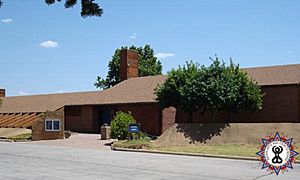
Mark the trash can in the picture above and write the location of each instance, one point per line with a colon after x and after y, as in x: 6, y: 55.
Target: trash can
x: 105, y: 131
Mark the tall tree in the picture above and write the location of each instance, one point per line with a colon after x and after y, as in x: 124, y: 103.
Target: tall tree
x: 229, y: 89
x: 214, y: 88
x: 88, y: 7
x: 182, y: 89
x: 149, y: 65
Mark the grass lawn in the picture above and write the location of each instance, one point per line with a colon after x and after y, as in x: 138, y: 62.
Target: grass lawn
x: 134, y: 144
x: 21, y: 137
x: 247, y: 150
x: 223, y: 149
x: 230, y: 149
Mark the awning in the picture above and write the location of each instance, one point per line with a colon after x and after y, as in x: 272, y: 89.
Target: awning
x: 18, y: 120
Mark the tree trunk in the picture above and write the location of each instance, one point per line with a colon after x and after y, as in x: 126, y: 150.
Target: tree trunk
x: 203, y: 111
x: 228, y: 116
x: 190, y: 117
x: 213, y: 116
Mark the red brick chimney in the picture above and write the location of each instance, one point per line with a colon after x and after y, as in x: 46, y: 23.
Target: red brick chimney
x: 2, y: 92
x: 129, y: 66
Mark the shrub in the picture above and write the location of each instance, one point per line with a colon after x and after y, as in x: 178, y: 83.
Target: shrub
x: 120, y: 123
x: 134, y: 144
x: 217, y: 87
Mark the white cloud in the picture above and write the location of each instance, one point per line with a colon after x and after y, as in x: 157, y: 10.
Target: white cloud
x: 164, y: 55
x: 133, y: 36
x: 23, y: 93
x: 49, y: 44
x: 61, y: 91
x: 7, y: 20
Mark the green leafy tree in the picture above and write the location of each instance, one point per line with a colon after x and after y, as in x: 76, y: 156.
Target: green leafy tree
x: 88, y: 7
x: 120, y: 123
x: 219, y: 87
x: 214, y: 88
x: 148, y: 66
x: 229, y: 89
x: 181, y: 89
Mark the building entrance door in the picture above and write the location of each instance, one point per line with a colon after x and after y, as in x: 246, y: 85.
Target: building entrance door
x: 104, y: 117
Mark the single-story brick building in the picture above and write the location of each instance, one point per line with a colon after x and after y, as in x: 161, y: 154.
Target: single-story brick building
x: 87, y: 111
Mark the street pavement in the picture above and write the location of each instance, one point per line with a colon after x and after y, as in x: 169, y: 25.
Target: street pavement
x: 34, y: 161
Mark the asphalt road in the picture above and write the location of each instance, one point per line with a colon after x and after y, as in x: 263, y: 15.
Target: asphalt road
x: 31, y: 161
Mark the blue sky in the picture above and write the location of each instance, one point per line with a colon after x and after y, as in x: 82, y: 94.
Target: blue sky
x: 49, y: 49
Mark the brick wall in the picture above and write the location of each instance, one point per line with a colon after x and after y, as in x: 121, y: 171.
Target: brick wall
x: 2, y: 92
x: 148, y: 114
x: 280, y: 104
x: 129, y: 64
x: 168, y: 118
x: 79, y: 122
x: 38, y: 128
x: 298, y: 103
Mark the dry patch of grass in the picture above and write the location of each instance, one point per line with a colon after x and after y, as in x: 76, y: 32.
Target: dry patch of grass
x: 246, y: 150
x: 223, y: 149
x: 134, y: 144
x: 297, y: 148
x: 21, y: 137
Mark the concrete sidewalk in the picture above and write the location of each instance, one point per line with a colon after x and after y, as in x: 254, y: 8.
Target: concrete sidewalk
x: 83, y: 141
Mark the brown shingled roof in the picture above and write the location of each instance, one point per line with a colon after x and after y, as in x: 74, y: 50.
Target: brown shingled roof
x: 134, y: 90
x: 275, y: 75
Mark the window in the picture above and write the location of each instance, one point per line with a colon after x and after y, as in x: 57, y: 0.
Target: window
x: 52, y: 125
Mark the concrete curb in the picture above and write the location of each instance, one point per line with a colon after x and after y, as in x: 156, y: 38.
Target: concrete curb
x: 188, y: 154
x: 6, y: 140
x: 11, y: 140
